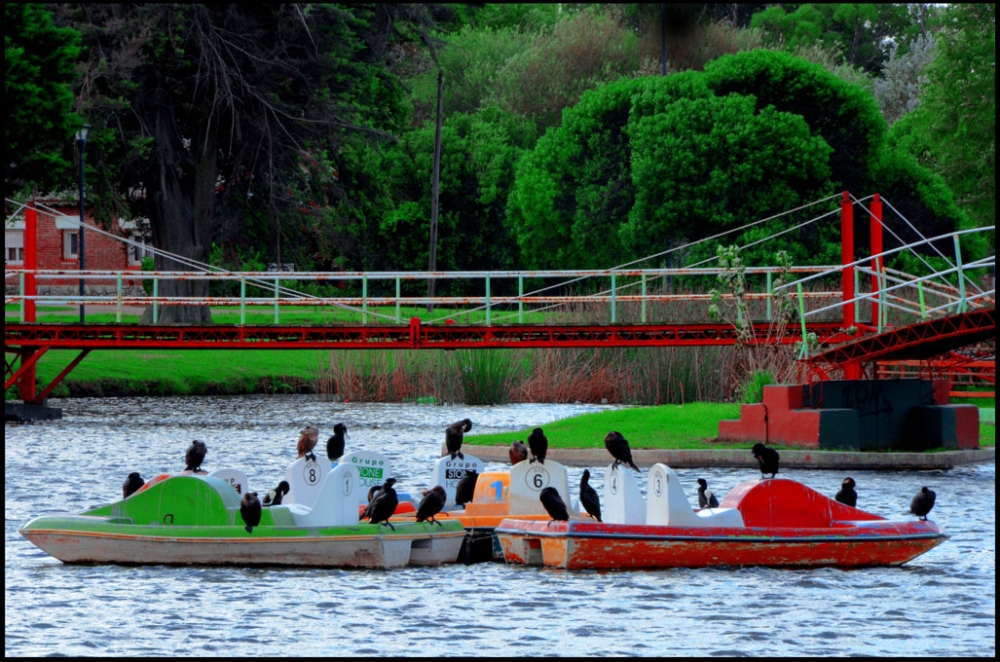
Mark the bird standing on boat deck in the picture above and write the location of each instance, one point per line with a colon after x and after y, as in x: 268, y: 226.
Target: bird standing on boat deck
x: 588, y: 497
x: 453, y: 436
x: 767, y: 458
x: 539, y: 445
x: 335, y: 444
x: 466, y: 487
x: 518, y: 452
x: 307, y: 442
x: 384, y: 504
x: 923, y: 502
x: 274, y: 497
x: 250, y: 510
x: 705, y: 497
x: 553, y: 504
x: 432, y: 504
x: 847, y: 494
x: 194, y: 456
x: 131, y: 484
x: 618, y: 447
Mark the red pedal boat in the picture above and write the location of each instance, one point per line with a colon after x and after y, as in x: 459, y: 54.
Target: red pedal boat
x: 770, y: 522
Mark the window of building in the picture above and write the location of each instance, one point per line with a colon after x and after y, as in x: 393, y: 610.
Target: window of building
x: 13, y: 243
x: 138, y: 249
x: 70, y: 245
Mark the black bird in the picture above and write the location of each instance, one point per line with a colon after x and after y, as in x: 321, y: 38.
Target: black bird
x: 923, y: 502
x: 194, y: 456
x: 250, y: 510
x: 274, y: 497
x: 372, y: 491
x: 539, y: 445
x: 518, y: 453
x: 132, y: 484
x: 554, y: 505
x: 384, y: 504
x: 705, y: 497
x: 767, y: 458
x: 453, y: 436
x: 847, y: 494
x: 432, y: 504
x: 335, y: 444
x: 466, y: 487
x: 618, y: 447
x: 588, y: 497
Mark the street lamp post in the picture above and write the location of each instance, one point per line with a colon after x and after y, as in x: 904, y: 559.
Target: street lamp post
x: 81, y: 144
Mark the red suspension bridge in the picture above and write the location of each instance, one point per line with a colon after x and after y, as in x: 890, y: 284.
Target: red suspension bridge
x: 831, y: 337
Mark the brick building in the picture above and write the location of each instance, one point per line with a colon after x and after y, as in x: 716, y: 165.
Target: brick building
x: 58, y: 236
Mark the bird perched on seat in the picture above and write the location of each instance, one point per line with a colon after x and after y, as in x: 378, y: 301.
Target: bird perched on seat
x: 847, y: 494
x: 618, y: 447
x: 466, y: 487
x: 539, y: 445
x: 274, y: 497
x: 383, y: 504
x: 767, y: 458
x: 432, y: 504
x: 705, y: 497
x: 588, y: 497
x: 518, y: 452
x: 335, y: 444
x: 307, y: 442
x: 553, y: 504
x: 132, y: 484
x: 453, y: 436
x: 250, y: 510
x: 194, y: 456
x: 923, y: 502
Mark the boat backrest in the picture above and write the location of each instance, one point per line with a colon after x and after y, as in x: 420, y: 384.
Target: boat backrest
x: 447, y: 472
x: 234, y: 477
x: 622, y: 502
x: 305, y: 477
x: 528, y: 479
x: 373, y: 468
x: 336, y: 503
x: 667, y: 504
x: 492, y: 495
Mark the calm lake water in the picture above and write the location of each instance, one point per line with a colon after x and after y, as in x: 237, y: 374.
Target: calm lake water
x: 943, y: 603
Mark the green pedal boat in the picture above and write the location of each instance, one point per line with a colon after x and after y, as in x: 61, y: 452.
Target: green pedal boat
x: 196, y: 520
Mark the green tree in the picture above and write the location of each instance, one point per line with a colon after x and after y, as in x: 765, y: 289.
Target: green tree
x: 40, y: 62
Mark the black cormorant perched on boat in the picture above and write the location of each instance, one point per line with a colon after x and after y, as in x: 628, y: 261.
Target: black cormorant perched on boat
x: 518, y: 452
x: 619, y: 449
x: 132, y: 484
x: 453, y: 437
x: 554, y: 505
x: 923, y: 502
x: 466, y: 488
x: 383, y: 504
x: 432, y: 504
x: 847, y: 494
x: 705, y: 497
x: 539, y: 445
x: 307, y: 442
x: 335, y: 444
x: 767, y: 458
x: 588, y: 497
x: 194, y: 456
x: 274, y: 497
x: 250, y: 510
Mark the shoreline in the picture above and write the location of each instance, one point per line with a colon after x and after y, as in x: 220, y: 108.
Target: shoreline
x: 803, y: 459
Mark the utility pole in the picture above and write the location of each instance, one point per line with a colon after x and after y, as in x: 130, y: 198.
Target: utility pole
x: 435, y: 187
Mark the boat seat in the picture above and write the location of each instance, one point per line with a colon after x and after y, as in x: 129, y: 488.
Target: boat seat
x: 528, y: 479
x: 335, y: 504
x: 234, y: 477
x: 669, y: 506
x: 448, y: 472
x: 622, y: 502
x: 305, y: 477
x: 373, y: 468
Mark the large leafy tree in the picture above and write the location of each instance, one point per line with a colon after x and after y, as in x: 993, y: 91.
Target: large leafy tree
x: 194, y: 101
x: 40, y: 67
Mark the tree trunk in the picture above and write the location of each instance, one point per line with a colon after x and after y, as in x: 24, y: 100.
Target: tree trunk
x: 180, y: 192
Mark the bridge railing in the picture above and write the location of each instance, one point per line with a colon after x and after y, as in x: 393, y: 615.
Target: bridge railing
x: 610, y: 290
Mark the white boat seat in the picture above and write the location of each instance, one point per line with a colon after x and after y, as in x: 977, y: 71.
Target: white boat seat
x: 304, y: 480
x: 622, y: 502
x: 528, y: 479
x: 448, y: 472
x: 373, y: 468
x: 335, y: 505
x: 669, y: 506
